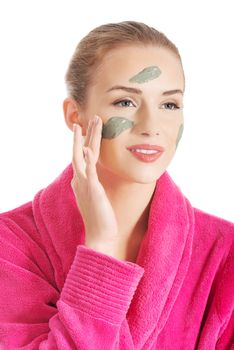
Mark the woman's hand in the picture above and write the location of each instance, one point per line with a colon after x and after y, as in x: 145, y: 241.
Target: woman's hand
x: 97, y: 212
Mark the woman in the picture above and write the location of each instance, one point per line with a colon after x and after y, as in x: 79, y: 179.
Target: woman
x: 111, y: 255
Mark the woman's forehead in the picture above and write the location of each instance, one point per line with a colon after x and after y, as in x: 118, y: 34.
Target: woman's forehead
x: 138, y: 65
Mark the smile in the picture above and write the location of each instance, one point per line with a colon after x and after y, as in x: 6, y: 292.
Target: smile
x: 146, y: 156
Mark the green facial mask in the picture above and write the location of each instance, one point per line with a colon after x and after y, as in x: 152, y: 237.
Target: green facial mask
x: 180, y: 132
x: 146, y: 74
x: 114, y: 126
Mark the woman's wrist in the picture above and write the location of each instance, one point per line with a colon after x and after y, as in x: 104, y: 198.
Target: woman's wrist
x: 106, y: 248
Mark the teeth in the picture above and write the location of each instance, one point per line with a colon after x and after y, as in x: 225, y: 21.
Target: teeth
x: 146, y: 151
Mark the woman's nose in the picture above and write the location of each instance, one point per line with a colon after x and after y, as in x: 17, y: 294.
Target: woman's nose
x: 149, y: 133
x: 147, y: 122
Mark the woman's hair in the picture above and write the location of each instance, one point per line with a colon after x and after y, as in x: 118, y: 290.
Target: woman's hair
x: 92, y: 48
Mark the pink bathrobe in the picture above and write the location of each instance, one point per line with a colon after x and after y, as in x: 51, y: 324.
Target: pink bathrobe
x: 55, y: 293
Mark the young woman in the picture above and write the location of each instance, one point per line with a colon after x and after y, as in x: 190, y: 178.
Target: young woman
x: 112, y: 255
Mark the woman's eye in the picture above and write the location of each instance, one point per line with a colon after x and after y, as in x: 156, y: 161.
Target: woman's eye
x: 125, y: 103
x: 117, y: 103
x: 171, y: 103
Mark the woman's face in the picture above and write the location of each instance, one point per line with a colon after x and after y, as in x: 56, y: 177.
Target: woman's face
x: 144, y: 116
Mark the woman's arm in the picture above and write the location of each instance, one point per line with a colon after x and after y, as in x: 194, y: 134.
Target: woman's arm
x: 90, y: 312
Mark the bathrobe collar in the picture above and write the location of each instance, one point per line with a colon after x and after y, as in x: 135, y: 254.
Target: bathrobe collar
x: 165, y: 251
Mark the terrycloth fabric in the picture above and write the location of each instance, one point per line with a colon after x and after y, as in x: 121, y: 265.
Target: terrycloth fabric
x: 55, y: 293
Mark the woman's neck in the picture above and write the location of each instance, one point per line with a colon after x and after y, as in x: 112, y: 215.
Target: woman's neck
x: 130, y: 202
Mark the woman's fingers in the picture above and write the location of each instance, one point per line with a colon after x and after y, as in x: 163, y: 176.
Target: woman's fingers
x: 94, y: 141
x: 91, y: 166
x: 78, y: 162
x: 88, y: 133
x: 97, y: 139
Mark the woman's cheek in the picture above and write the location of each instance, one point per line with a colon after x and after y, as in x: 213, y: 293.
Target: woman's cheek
x: 115, y: 126
x: 179, y: 134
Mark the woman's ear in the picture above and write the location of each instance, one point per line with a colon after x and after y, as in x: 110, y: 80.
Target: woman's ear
x: 71, y: 113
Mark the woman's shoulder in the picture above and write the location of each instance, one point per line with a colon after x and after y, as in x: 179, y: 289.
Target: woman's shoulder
x: 211, y: 218
x: 19, y: 222
x: 213, y: 228
x: 206, y: 218
x: 21, y: 215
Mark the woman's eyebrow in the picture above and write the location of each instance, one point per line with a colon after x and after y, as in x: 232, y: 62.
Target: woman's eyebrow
x: 138, y: 91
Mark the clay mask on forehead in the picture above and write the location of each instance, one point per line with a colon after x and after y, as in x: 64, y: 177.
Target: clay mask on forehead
x: 146, y: 74
x: 115, y: 125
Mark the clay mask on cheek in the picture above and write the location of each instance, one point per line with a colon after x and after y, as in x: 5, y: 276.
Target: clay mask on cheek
x: 146, y: 74
x: 180, y: 132
x: 114, y: 126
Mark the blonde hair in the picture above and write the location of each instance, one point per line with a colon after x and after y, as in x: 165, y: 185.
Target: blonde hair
x: 92, y: 48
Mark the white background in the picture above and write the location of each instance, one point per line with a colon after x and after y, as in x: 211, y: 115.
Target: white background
x: 37, y: 40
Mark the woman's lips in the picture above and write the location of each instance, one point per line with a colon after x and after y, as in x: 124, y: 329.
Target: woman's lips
x: 147, y: 158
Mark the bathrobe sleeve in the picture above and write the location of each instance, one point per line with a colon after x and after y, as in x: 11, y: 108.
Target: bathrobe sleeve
x: 87, y: 314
